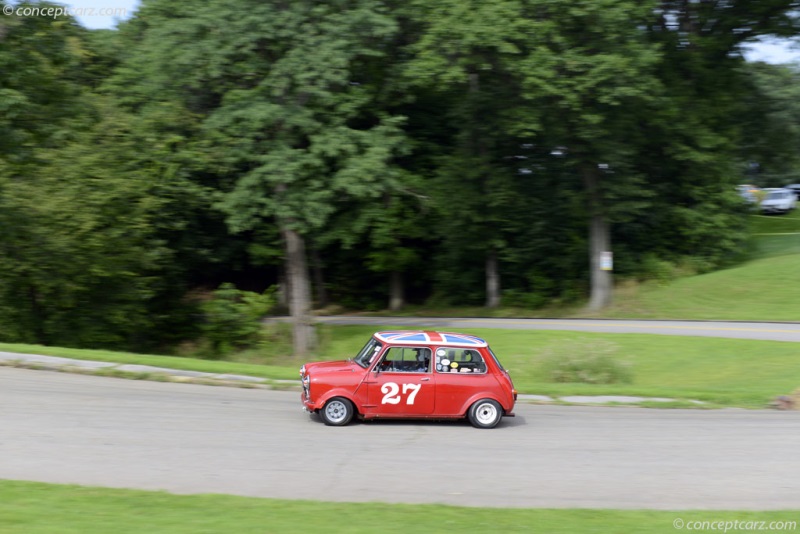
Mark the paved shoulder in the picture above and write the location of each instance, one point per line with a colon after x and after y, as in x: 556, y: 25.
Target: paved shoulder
x: 185, y: 438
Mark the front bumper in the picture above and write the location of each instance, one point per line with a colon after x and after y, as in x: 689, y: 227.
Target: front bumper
x: 774, y: 209
x: 308, y: 406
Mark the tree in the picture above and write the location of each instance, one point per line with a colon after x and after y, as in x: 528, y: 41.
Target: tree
x: 771, y: 125
x: 591, y: 72
x: 84, y: 259
x: 389, y: 232
x: 467, y: 53
x: 696, y: 133
x: 285, y: 93
x: 96, y: 209
x: 320, y: 142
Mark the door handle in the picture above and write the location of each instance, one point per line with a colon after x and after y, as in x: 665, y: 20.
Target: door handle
x: 424, y: 379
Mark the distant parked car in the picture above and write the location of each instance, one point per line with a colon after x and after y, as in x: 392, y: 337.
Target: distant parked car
x: 748, y: 192
x: 778, y: 200
x: 795, y: 188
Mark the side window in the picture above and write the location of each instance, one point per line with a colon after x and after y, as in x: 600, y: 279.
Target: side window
x: 450, y: 360
x: 406, y: 360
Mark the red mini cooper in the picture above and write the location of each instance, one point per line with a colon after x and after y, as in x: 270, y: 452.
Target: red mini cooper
x: 409, y: 374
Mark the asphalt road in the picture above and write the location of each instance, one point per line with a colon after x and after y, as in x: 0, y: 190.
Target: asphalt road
x: 730, y: 329
x: 183, y: 438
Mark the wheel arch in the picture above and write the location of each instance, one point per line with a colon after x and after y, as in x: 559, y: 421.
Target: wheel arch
x: 480, y: 396
x: 338, y: 392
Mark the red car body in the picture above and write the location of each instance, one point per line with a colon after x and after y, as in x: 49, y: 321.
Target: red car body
x: 412, y: 374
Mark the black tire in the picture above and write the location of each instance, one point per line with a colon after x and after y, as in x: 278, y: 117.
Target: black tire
x: 337, y: 412
x: 485, y: 413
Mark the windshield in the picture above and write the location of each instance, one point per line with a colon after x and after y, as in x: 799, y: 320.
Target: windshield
x: 372, y: 347
x: 777, y: 195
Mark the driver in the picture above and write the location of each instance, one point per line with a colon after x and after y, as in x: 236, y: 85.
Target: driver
x: 423, y: 360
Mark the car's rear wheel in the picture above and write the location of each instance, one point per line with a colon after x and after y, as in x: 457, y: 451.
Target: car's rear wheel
x: 337, y: 412
x: 485, y: 413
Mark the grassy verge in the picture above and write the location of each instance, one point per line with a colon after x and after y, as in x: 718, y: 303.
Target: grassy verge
x: 34, y: 508
x: 761, y: 225
x: 278, y: 372
x: 725, y: 372
x: 720, y: 372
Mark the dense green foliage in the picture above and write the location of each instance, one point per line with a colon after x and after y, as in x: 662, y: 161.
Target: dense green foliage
x: 373, y: 153
x: 233, y: 318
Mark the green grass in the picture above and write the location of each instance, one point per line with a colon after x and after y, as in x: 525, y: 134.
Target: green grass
x: 731, y: 372
x: 718, y: 371
x: 35, y: 508
x: 777, y: 245
x: 766, y: 224
x: 726, y: 372
x: 760, y: 290
x: 278, y: 372
x: 722, y: 371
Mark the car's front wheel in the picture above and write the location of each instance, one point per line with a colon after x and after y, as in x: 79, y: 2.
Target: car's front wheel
x: 485, y: 413
x: 337, y: 412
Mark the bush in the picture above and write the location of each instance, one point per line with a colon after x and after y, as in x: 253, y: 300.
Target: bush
x: 233, y: 318
x: 588, y: 362
x: 654, y: 268
x: 519, y: 299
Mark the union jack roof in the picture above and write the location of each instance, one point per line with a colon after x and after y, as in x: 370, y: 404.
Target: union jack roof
x: 433, y: 338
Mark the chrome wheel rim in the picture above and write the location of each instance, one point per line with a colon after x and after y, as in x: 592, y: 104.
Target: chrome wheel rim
x: 486, y: 414
x: 336, y: 411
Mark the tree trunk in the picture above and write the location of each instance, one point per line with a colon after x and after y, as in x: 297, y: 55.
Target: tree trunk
x: 319, y: 278
x: 283, y: 288
x: 396, y: 291
x: 599, y: 243
x: 37, y: 316
x: 492, y: 280
x: 299, y: 293
x: 479, y: 146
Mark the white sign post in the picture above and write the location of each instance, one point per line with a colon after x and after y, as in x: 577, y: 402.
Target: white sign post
x: 606, y: 261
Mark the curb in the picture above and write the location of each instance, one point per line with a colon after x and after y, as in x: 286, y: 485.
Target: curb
x: 140, y: 372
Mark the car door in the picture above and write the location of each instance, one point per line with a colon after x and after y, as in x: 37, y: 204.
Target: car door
x: 401, y: 383
x: 461, y: 374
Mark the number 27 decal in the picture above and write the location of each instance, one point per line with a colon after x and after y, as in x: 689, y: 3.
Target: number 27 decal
x: 391, y: 392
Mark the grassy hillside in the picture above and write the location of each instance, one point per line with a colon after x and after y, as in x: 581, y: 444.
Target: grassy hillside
x: 759, y: 290
x: 776, y: 235
x: 762, y: 289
